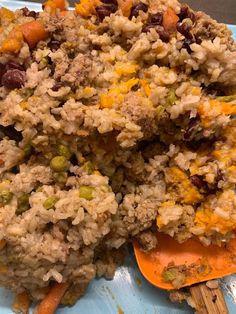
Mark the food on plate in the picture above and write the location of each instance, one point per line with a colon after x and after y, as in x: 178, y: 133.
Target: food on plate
x: 116, y: 121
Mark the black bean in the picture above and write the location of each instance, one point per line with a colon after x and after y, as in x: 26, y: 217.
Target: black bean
x: 105, y: 10
x: 136, y: 8
x: 192, y: 127
x: 54, y: 44
x: 198, y: 181
x: 185, y: 29
x: 14, y: 65
x: 11, y: 132
x: 156, y: 18
x: 13, y: 79
x: 164, y: 35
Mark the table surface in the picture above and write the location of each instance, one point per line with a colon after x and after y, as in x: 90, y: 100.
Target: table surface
x: 222, y: 10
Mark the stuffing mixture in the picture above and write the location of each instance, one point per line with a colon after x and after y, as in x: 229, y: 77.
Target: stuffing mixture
x: 116, y: 121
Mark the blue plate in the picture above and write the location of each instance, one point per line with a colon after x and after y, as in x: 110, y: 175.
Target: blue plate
x: 128, y: 291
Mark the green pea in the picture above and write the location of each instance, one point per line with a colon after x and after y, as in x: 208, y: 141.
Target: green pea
x: 170, y: 100
x: 88, y: 167
x: 59, y: 164
x: 64, y: 151
x: 5, y: 196
x: 50, y: 202
x: 22, y: 204
x: 169, y: 275
x: 86, y: 192
x: 60, y: 177
x: 27, y: 150
x: 188, y: 21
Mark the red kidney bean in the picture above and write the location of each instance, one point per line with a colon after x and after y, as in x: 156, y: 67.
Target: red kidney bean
x: 13, y: 79
x: 28, y: 13
x: 156, y: 18
x: 136, y: 8
x: 186, y: 44
x: 185, y: 12
x: 14, y: 65
x: 105, y: 10
x: 54, y: 45
x: 185, y: 29
x: 197, y: 181
x: 164, y: 35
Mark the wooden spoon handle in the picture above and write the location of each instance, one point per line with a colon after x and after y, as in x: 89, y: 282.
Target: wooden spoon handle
x: 208, y: 301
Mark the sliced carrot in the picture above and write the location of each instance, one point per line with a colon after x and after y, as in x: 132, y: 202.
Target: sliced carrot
x: 33, y: 32
x: 22, y: 303
x: 125, y: 6
x: 170, y: 19
x: 52, y: 300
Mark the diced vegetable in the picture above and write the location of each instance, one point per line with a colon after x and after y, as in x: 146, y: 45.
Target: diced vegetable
x: 13, y: 43
x: 27, y: 150
x: 59, y: 164
x: 5, y: 196
x: 33, y: 32
x: 170, y: 19
x: 50, y: 202
x: 22, y: 204
x: 55, y: 4
x: 22, y: 303
x: 86, y: 8
x: 125, y: 6
x: 6, y: 16
x: 86, y: 192
x: 64, y: 151
x: 52, y: 300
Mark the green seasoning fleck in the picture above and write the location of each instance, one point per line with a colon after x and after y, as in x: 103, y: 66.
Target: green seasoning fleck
x: 169, y: 275
x: 86, y: 192
x: 59, y: 164
x: 170, y: 99
x: 5, y: 196
x: 50, y: 202
x: 64, y: 151
x: 88, y: 167
x: 22, y: 204
x: 188, y: 21
x: 226, y: 98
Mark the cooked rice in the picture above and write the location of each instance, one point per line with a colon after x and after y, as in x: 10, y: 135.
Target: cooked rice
x: 151, y: 140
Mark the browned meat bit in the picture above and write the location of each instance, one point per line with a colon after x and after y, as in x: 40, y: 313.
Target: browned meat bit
x: 176, y: 275
x: 136, y: 8
x: 13, y: 79
x: 106, y: 9
x: 178, y: 296
x: 147, y: 240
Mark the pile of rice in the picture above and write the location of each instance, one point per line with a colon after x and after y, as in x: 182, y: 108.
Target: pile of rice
x: 141, y: 115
